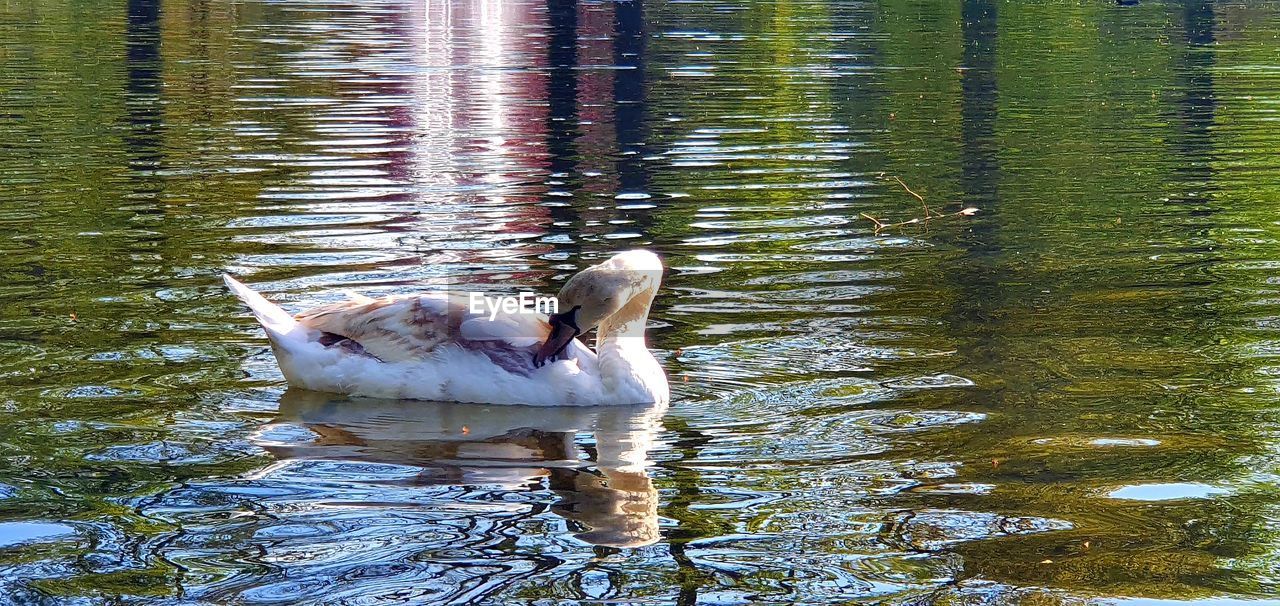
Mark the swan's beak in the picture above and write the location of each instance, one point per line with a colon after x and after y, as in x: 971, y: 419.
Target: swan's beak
x: 564, y: 327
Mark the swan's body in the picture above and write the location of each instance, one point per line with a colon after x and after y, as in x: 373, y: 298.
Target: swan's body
x: 432, y: 347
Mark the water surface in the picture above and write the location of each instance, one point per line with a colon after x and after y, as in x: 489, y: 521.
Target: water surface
x: 1068, y: 397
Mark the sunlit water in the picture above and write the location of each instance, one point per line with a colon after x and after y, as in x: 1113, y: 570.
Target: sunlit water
x: 1069, y: 396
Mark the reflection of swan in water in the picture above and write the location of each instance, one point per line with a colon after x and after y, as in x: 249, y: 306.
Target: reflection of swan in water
x: 506, y: 445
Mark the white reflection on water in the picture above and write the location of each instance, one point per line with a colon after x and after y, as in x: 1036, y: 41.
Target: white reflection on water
x: 498, y: 447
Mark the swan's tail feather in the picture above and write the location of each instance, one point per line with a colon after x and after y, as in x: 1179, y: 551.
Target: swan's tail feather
x: 291, y: 340
x: 277, y: 322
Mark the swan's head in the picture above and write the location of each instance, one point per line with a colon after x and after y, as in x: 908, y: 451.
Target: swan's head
x: 623, y: 286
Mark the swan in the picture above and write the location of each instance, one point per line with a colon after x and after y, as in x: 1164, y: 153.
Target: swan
x: 437, y: 346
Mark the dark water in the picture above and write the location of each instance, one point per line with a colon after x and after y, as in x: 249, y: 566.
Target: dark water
x: 1070, y: 396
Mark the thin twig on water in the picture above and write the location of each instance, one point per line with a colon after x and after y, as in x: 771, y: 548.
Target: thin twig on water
x: 879, y: 225
x: 928, y: 214
x: 919, y: 197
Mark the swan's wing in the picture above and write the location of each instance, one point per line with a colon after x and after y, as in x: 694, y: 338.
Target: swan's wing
x: 393, y: 329
x: 396, y: 329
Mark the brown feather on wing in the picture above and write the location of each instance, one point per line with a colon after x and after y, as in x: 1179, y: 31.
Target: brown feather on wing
x: 396, y: 329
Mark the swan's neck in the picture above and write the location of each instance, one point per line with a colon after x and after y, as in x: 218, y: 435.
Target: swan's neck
x: 625, y: 328
x: 627, y: 368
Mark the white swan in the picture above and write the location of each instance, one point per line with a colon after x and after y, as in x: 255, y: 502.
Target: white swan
x: 432, y: 347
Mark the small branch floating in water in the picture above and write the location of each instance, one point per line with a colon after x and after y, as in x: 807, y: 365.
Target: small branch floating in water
x: 918, y: 196
x: 881, y: 226
x: 928, y: 214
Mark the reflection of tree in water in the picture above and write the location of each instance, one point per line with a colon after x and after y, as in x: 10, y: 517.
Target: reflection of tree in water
x: 513, y: 447
x: 978, y: 278
x: 562, y: 114
x: 144, y: 137
x: 629, y: 108
x: 1195, y: 106
x: 142, y: 56
x: 570, y: 149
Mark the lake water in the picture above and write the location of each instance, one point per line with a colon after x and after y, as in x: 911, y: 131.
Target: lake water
x: 1069, y: 396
